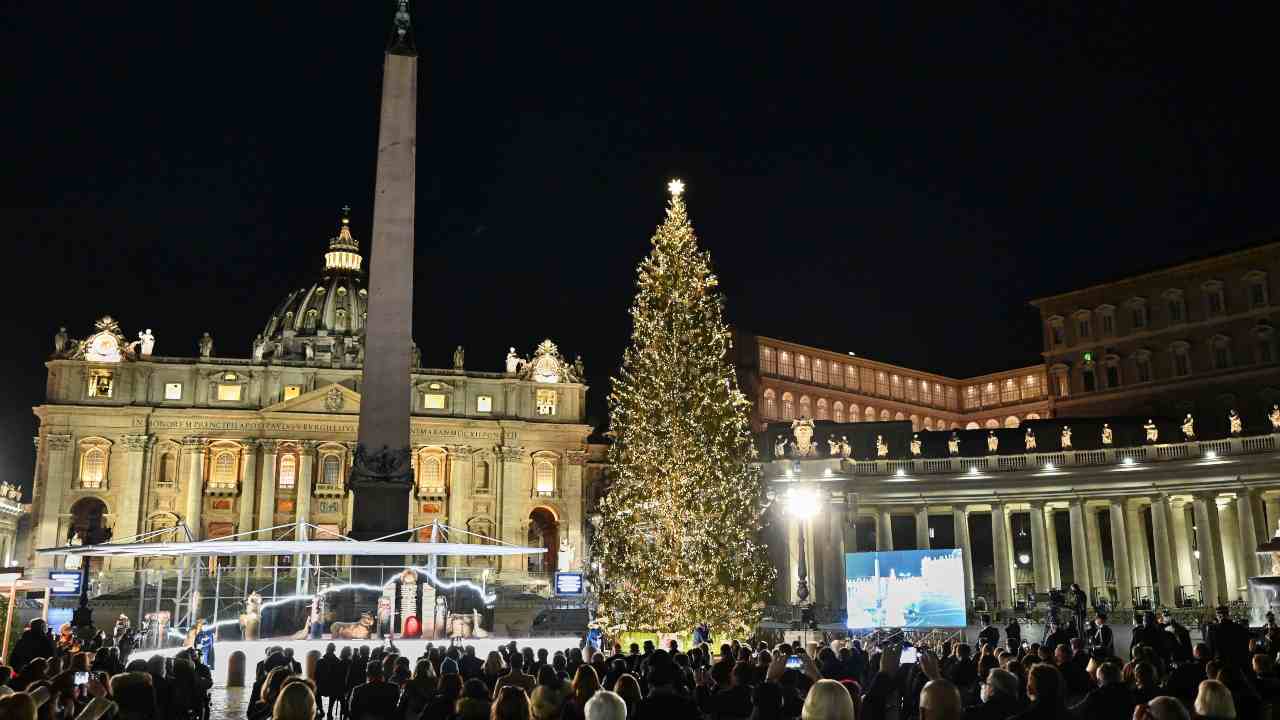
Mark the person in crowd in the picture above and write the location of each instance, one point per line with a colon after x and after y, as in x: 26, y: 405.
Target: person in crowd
x: 1046, y: 693
x: 35, y: 642
x: 1099, y: 638
x: 376, y: 698
x: 1228, y: 639
x: 295, y: 703
x: 628, y: 688
x: 940, y: 700
x: 605, y: 705
x: 585, y: 684
x: 1162, y: 708
x: 442, y: 706
x: 664, y: 700
x: 1110, y: 700
x: 1214, y: 702
x: 511, y: 703
x: 827, y: 700
x: 999, y: 696
x: 474, y: 703
x: 515, y: 676
x: 990, y: 634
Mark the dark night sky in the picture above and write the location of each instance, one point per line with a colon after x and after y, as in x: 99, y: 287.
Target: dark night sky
x: 893, y: 180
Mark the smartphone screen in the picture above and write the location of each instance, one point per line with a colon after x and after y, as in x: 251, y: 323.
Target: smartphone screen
x: 82, y: 678
x: 909, y: 655
x: 794, y: 662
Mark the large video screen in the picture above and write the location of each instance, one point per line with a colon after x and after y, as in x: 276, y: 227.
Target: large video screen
x: 905, y: 588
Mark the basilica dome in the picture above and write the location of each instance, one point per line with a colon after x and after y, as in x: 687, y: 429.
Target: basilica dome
x: 324, y: 323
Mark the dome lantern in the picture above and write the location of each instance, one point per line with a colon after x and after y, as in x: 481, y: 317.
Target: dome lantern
x: 344, y: 251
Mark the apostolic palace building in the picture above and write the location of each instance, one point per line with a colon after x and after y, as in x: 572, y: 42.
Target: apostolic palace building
x: 132, y: 440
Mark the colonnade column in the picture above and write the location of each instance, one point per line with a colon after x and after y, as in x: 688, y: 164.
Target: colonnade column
x: 1213, y: 574
x: 1183, y: 557
x: 1093, y: 539
x: 195, y: 484
x: 248, y: 488
x: 1079, y: 545
x: 851, y: 523
x: 1051, y: 546
x: 1248, y: 533
x: 835, y: 562
x: 1000, y: 555
x: 1039, y: 549
x: 884, y: 530
x: 960, y: 519
x: 1139, y: 556
x: 1165, y: 569
x: 922, y: 527
x: 1120, y: 555
x: 1228, y: 531
x: 1272, y: 522
x: 267, y: 498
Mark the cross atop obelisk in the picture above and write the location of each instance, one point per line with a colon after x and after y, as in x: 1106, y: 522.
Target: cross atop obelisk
x: 382, y: 473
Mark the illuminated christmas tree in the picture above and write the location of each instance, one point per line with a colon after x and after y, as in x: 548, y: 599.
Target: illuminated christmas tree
x: 677, y: 541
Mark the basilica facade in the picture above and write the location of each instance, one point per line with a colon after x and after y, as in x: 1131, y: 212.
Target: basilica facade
x: 132, y: 442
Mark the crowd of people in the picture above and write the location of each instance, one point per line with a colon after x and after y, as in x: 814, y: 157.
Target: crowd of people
x: 1163, y: 676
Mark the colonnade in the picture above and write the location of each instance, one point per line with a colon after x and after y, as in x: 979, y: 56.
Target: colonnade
x: 1195, y: 546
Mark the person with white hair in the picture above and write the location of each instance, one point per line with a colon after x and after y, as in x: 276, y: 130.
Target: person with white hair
x: 606, y: 705
x: 999, y: 697
x: 1164, y: 707
x: 1214, y: 702
x: 827, y: 700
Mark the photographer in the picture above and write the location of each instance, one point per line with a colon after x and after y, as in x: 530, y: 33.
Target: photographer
x: 1099, y: 637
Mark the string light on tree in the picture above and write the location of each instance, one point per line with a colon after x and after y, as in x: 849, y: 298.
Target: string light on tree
x: 678, y: 536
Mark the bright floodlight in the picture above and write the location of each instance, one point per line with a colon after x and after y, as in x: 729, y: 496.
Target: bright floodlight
x: 1049, y: 467
x: 1024, y: 559
x: 1211, y: 455
x: 802, y: 502
x: 1127, y: 461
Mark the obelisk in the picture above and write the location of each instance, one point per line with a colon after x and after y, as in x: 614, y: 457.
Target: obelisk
x: 382, y: 475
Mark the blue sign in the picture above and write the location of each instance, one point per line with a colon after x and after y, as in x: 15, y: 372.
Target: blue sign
x: 64, y: 583
x: 569, y: 583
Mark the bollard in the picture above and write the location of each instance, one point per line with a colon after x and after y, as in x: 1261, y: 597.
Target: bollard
x: 235, y: 669
x: 309, y: 668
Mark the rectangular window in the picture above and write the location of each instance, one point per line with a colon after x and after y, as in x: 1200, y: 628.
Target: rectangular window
x: 1009, y: 391
x: 1090, y: 381
x: 1143, y: 366
x: 1084, y: 328
x: 768, y: 360
x: 100, y: 383
x: 1031, y: 387
x: 1257, y: 295
x: 1265, y: 352
x: 173, y: 391
x: 912, y: 394
x: 971, y: 397
x: 1113, y: 376
x: 989, y: 394
x: 786, y: 367
x: 1108, y: 324
x: 952, y: 402
x: 229, y: 393
x: 546, y: 402
x: 1181, y: 364
x: 1058, y: 339
x: 895, y: 383
x: 850, y: 377
x: 292, y: 391
x: 484, y: 403
x: 1139, y: 317
x: 882, y: 384
x: 837, y: 374
x: 819, y: 372
x: 433, y: 401
x: 925, y: 396
x: 1221, y: 359
x: 802, y: 368
x: 1175, y: 311
x: 1063, y: 386
x: 868, y: 381
x: 1215, y: 302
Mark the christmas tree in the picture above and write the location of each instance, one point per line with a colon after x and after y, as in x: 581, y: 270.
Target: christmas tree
x: 677, y: 539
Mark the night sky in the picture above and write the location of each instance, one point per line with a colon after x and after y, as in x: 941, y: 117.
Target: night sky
x: 897, y: 181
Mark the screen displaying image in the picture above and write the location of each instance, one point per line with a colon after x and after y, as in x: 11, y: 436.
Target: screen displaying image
x: 905, y: 588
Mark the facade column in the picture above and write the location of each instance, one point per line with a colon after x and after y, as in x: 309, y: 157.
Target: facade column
x: 814, y: 540
x: 1212, y: 575
x: 1165, y: 569
x: 1259, y: 518
x: 302, y: 504
x: 1183, y: 557
x: 1039, y: 549
x: 835, y: 566
x: 1079, y: 549
x: 1248, y: 534
x: 1228, y: 529
x: 922, y: 527
x: 1271, y: 526
x: 267, y: 498
x: 1051, y: 546
x: 248, y: 491
x: 884, y: 531
x: 47, y: 524
x: 1139, y: 555
x: 195, y: 448
x: 1000, y: 555
x: 1097, y: 563
x: 1120, y: 555
x: 960, y: 519
x: 128, y: 522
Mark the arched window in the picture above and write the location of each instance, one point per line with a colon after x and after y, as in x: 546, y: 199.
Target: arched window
x: 804, y: 407
x: 224, y: 469
x: 1011, y: 422
x: 928, y: 423
x: 992, y: 424
x: 288, y: 471
x: 1266, y: 338
x: 168, y: 469
x: 821, y: 407
x: 331, y: 470
x: 93, y: 471
x: 854, y: 413
x: 870, y: 414
x: 819, y: 371
x: 770, y: 404
x: 1181, y: 352
x: 899, y: 417
x: 431, y: 479
x: 1033, y: 416
x: 884, y: 416
x: 837, y: 411
x: 544, y: 477
x: 1220, y: 351
x: 788, y: 406
x: 482, y: 476
x: 972, y: 426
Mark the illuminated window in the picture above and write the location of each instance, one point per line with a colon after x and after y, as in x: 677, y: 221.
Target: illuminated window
x: 819, y: 372
x: 972, y: 426
x: 989, y: 394
x: 951, y: 398
x: 770, y: 404
x: 1009, y: 391
x: 93, y: 468
x: 912, y: 394
x: 851, y: 377
x: 837, y: 411
x: 884, y: 416
x: 868, y: 380
x: 837, y: 374
x: 788, y: 406
x: 223, y: 473
x: 928, y: 423
x: 971, y: 397
x: 288, y: 471
x: 1011, y: 422
x: 431, y: 478
x: 804, y: 407
x: 768, y: 360
x: 484, y: 403
x: 822, y: 409
x: 802, y: 368
x: 229, y: 392
x: 331, y: 471
x: 544, y: 478
x: 785, y: 367
x: 546, y: 402
x: 915, y: 422
x: 168, y: 472
x: 1031, y: 387
x: 882, y: 383
x: 855, y: 414
x: 292, y: 391
x: 895, y: 383
x: 100, y: 383
x: 870, y: 414
x: 433, y: 401
x: 925, y: 396
x: 899, y: 417
x: 173, y: 391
